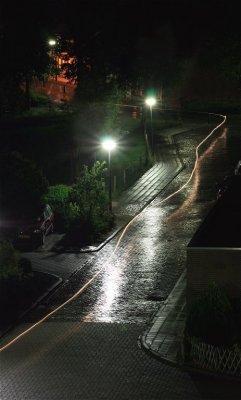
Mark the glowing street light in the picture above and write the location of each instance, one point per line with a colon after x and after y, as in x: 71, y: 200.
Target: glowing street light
x: 109, y: 145
x: 151, y: 101
x: 52, y: 42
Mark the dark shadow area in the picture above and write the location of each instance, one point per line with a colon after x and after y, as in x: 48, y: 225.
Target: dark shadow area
x: 17, y: 298
x: 213, y: 387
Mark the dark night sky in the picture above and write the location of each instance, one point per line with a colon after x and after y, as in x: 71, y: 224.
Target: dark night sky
x: 191, y: 21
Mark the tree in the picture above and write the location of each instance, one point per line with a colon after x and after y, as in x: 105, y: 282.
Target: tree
x: 89, y: 194
x: 157, y: 63
x: 223, y: 55
x: 23, y: 47
x: 22, y: 184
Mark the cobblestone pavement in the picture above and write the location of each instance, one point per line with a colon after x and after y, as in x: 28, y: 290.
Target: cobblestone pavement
x: 63, y: 265
x: 94, y: 361
x: 89, y: 349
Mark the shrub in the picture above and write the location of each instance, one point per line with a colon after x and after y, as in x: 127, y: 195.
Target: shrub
x: 57, y: 194
x: 211, y: 318
x: 58, y: 197
x: 90, y: 200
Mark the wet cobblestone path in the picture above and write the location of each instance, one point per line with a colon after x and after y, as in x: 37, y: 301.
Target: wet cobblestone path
x: 152, y: 254
x: 89, y: 349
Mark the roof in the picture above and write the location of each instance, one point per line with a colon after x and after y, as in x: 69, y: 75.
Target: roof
x: 222, y: 226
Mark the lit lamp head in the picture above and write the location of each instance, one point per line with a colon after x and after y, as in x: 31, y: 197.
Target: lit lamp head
x: 150, y: 101
x: 109, y: 144
x: 52, y: 42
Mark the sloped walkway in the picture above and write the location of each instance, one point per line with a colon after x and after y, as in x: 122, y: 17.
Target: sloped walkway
x: 133, y: 200
x: 151, y: 183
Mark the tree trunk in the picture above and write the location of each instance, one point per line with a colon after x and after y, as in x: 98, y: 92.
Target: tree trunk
x: 27, y: 93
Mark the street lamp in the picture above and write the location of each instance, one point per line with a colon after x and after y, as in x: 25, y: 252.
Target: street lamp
x: 109, y: 145
x: 52, y: 44
x: 151, y: 101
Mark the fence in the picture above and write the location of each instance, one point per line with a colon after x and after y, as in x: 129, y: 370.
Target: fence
x: 216, y: 359
x: 124, y: 178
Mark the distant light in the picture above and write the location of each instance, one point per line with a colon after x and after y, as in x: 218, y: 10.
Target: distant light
x: 151, y: 101
x: 52, y: 42
x: 109, y: 144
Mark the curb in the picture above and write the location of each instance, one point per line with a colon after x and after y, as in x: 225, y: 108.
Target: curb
x: 142, y: 338
x: 46, y: 293
x: 33, y: 305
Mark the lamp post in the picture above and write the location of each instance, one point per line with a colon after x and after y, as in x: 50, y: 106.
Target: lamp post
x: 52, y: 44
x: 151, y: 101
x: 109, y: 145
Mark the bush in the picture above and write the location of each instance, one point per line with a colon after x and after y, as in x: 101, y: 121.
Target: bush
x: 58, y: 197
x: 211, y: 318
x: 89, y: 203
x: 82, y: 209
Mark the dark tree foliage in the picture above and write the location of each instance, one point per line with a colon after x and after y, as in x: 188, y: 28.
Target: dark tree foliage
x: 124, y: 45
x: 23, y: 49
x: 104, y: 50
x: 22, y: 184
x: 211, y: 318
x: 118, y: 44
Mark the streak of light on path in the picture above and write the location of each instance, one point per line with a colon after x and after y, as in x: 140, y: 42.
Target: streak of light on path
x: 87, y: 284
x: 192, y: 197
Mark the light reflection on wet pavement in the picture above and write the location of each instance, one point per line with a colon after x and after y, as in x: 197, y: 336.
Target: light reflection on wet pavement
x: 151, y: 255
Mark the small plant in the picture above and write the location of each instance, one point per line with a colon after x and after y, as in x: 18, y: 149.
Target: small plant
x: 211, y: 318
